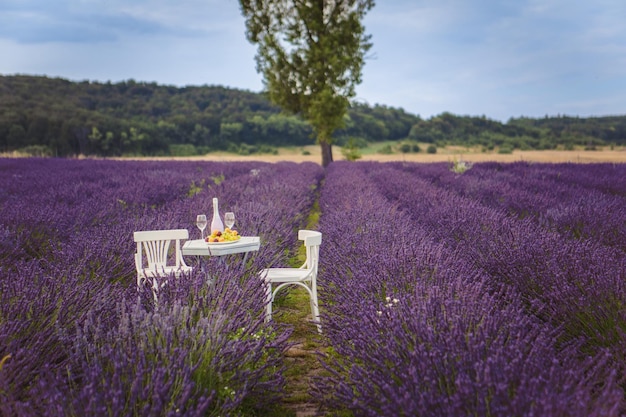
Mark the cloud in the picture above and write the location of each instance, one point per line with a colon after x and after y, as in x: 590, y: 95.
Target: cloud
x: 196, y: 15
x: 86, y: 29
x: 84, y: 21
x: 497, y: 58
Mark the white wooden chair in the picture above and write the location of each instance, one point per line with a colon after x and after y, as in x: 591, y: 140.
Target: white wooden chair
x: 304, y: 276
x: 156, y: 245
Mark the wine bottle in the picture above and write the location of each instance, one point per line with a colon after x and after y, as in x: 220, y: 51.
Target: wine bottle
x: 216, y: 223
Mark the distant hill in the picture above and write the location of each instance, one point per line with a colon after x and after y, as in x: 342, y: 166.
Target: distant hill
x: 58, y: 117
x: 522, y: 133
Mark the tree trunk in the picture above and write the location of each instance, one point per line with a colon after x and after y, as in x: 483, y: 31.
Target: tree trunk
x: 327, y: 153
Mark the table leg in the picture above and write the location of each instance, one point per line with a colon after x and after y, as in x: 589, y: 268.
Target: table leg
x: 245, y: 257
x: 204, y: 269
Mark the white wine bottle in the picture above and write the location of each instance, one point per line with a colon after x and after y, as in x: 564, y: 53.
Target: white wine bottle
x: 216, y: 223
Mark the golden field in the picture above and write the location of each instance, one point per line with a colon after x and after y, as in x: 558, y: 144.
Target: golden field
x: 312, y: 154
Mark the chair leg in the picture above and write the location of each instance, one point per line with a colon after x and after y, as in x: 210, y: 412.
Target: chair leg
x: 315, y: 311
x: 141, y: 281
x: 155, y: 289
x: 268, y: 301
x: 268, y: 312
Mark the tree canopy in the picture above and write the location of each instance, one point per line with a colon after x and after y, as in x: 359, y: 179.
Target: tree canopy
x: 59, y: 117
x: 53, y: 116
x: 311, y: 54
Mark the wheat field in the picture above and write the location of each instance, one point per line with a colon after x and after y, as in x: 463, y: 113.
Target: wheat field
x: 313, y: 154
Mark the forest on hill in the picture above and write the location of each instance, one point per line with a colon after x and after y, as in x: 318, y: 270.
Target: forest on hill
x: 57, y: 117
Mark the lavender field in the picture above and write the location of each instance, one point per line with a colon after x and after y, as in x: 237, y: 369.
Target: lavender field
x: 496, y: 292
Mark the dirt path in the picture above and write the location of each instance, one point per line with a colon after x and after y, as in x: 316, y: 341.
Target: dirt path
x: 303, y: 357
x: 302, y: 360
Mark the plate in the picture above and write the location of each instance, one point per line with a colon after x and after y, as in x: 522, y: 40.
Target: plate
x: 226, y: 242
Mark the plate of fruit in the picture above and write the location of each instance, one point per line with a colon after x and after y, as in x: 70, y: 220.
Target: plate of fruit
x: 222, y: 238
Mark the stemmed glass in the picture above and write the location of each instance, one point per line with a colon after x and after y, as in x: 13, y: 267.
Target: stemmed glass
x: 201, y: 223
x: 229, y: 219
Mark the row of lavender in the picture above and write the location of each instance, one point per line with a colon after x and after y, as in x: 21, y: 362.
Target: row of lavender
x: 76, y: 338
x: 440, y: 302
x: 580, y: 201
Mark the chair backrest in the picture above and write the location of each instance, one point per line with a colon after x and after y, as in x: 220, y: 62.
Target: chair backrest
x: 312, y: 241
x: 156, y: 244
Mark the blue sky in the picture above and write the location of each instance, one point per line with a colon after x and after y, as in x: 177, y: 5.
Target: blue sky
x: 499, y: 59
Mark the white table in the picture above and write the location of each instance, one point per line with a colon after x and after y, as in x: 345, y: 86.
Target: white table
x: 199, y: 247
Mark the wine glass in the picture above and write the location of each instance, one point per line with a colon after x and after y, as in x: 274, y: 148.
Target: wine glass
x: 229, y: 219
x: 201, y: 223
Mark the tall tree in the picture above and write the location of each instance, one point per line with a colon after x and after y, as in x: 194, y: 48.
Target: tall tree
x: 310, y: 53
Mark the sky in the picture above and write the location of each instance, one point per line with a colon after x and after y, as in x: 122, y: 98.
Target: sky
x: 494, y: 58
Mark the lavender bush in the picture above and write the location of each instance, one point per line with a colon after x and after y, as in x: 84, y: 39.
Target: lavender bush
x: 422, y: 322
x: 565, y: 279
x: 580, y: 203
x: 77, y: 338
x: 498, y: 291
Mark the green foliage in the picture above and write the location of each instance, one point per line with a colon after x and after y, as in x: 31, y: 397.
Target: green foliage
x: 351, y: 150
x: 353, y: 141
x: 245, y: 149
x: 409, y: 147
x: 459, y: 166
x: 311, y: 55
x: 218, y: 179
x: 35, y: 150
x: 378, y: 123
x: 183, y: 150
x: 130, y: 118
x: 523, y: 133
x: 195, y: 189
x: 42, y: 116
x: 432, y: 149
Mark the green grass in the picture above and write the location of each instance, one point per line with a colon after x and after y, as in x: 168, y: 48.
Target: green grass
x: 292, y: 307
x: 374, y: 147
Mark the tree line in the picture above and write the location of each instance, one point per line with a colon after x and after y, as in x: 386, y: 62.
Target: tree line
x: 58, y: 117
x: 524, y: 133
